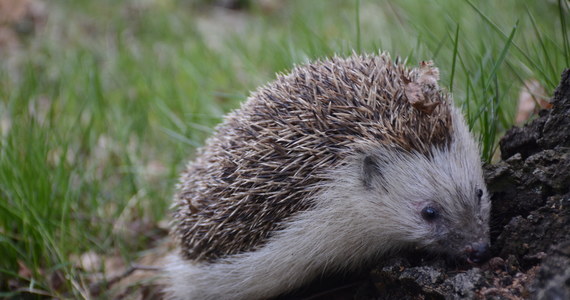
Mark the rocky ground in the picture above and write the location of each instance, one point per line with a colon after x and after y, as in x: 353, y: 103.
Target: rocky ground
x: 530, y: 227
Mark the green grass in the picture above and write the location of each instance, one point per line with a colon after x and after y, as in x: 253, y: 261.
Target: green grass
x: 100, y: 110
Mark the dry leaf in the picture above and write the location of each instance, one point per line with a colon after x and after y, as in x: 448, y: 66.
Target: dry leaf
x: 414, y: 93
x: 24, y: 271
x: 532, y: 93
x: 418, y: 100
x: 425, y: 107
x: 88, y: 261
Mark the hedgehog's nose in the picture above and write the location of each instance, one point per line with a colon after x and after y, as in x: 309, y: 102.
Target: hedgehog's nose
x: 478, y: 252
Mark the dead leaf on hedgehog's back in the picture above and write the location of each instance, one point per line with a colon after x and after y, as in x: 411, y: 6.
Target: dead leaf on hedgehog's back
x: 414, y: 93
x: 418, y: 100
x: 427, y: 108
x: 427, y: 80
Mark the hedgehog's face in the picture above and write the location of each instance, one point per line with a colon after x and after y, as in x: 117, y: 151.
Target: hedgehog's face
x: 438, y: 203
x: 461, y: 230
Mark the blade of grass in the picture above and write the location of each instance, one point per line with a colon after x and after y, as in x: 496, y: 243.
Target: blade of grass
x: 455, y: 43
x: 502, y: 55
x: 490, y: 78
x: 541, y: 42
x: 564, y: 31
x: 358, y: 39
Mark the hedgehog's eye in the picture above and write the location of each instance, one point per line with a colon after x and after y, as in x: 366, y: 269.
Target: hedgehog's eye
x: 430, y: 213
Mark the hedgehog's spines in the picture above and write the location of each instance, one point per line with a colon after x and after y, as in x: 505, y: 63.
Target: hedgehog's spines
x: 268, y: 157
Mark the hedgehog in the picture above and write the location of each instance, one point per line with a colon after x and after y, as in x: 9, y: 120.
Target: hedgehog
x: 339, y: 163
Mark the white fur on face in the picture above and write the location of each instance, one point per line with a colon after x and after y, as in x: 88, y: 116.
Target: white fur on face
x: 448, y: 180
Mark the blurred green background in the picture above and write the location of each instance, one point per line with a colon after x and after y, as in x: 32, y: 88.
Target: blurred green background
x: 103, y: 102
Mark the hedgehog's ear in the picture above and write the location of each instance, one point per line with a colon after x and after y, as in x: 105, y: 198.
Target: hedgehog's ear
x: 370, y: 171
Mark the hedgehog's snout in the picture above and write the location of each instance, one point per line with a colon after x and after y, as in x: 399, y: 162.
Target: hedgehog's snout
x: 477, y: 252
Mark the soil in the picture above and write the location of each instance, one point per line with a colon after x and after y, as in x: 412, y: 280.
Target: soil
x: 530, y: 228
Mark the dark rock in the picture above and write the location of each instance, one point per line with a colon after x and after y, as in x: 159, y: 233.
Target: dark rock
x: 531, y: 203
x: 523, y: 140
x: 553, y: 277
x: 527, y: 237
x: 429, y: 281
x: 521, y: 186
x: 550, y: 168
x: 510, y: 180
x: 536, y: 163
